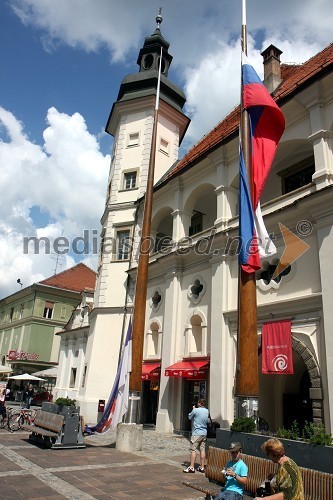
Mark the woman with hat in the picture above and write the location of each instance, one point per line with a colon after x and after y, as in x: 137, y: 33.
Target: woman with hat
x: 235, y: 473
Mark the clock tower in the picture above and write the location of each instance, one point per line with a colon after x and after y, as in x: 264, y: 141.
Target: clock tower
x: 130, y: 123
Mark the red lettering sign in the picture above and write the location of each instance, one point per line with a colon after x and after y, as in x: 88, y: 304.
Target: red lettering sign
x: 22, y: 356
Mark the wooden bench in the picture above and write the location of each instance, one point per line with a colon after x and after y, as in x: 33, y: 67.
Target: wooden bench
x: 317, y: 485
x: 46, y: 425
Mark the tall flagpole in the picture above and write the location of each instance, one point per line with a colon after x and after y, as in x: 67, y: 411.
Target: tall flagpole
x: 247, y: 383
x: 139, y: 313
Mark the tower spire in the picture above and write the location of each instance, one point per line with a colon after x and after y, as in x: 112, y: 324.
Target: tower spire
x: 159, y: 18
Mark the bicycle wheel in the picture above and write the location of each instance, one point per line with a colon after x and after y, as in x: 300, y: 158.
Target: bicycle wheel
x: 2, y: 422
x: 15, y: 421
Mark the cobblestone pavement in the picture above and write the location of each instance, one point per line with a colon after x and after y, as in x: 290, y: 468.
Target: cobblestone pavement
x: 99, y: 471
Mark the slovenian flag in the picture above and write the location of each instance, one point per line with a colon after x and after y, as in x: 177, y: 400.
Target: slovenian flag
x: 118, y: 401
x: 266, y: 128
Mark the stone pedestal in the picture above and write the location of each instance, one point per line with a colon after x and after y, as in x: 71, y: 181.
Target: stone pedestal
x: 129, y: 437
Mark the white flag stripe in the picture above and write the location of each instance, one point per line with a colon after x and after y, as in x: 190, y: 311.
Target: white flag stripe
x: 123, y: 387
x: 266, y: 246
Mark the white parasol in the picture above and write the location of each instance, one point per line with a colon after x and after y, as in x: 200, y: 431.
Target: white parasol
x: 5, y: 369
x: 26, y: 376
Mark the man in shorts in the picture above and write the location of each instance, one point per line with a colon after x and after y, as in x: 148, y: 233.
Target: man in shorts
x: 199, y: 417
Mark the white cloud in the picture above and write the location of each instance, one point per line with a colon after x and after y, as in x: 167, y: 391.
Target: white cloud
x: 202, y: 35
x: 65, y: 177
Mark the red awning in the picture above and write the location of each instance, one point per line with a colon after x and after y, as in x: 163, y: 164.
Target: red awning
x: 188, y: 369
x: 150, y: 370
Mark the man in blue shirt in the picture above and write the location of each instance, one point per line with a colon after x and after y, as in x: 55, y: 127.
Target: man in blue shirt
x: 235, y: 473
x: 199, y: 417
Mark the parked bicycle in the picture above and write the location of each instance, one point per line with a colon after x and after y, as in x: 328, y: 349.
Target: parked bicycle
x: 19, y: 417
x: 5, y: 418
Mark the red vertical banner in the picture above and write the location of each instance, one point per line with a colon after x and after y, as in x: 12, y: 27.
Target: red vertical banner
x: 277, y: 356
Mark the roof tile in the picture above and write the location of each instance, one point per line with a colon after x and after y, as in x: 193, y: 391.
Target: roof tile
x: 293, y: 75
x: 76, y: 279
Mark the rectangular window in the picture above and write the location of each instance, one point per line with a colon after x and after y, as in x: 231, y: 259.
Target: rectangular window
x: 48, y: 310
x: 11, y: 314
x: 21, y: 311
x: 73, y: 377
x: 297, y: 176
x: 84, y: 375
x: 133, y: 139
x: 164, y: 146
x: 130, y: 180
x: 123, y: 245
x: 196, y: 223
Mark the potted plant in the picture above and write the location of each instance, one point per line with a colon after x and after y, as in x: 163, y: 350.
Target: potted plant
x: 312, y: 448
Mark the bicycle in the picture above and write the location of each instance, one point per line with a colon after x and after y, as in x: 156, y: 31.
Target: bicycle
x: 5, y: 419
x: 20, y: 417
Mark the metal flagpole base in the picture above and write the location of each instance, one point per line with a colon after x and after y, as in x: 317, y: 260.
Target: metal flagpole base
x: 133, y: 415
x: 247, y: 406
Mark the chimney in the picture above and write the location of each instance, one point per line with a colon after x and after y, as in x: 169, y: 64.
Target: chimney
x: 272, y: 69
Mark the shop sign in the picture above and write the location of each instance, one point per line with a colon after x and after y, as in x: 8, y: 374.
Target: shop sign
x: 22, y: 356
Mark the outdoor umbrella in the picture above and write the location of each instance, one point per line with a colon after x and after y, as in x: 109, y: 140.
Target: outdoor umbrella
x: 26, y: 376
x: 5, y: 369
x: 48, y: 373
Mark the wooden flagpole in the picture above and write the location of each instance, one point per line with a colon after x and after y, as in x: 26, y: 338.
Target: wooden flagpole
x: 247, y: 383
x: 139, y: 313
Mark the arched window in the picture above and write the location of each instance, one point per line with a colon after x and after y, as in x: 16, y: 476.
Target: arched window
x: 196, y: 337
x: 153, y: 341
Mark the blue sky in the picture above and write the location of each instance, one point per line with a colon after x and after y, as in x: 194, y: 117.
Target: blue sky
x: 61, y: 66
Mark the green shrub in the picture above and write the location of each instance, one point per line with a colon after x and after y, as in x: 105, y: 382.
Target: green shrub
x: 283, y: 433
x: 316, y: 434
x: 65, y: 402
x: 292, y: 433
x: 243, y: 424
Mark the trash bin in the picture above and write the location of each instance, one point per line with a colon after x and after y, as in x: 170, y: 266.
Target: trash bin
x: 100, y: 409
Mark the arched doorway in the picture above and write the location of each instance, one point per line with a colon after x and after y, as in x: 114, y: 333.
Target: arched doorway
x: 285, y: 398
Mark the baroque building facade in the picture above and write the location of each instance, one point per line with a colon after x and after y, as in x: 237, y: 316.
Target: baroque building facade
x: 31, y: 317
x: 191, y: 310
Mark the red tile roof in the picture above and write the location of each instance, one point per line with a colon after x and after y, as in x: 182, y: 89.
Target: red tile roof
x: 294, y: 78
x: 76, y: 279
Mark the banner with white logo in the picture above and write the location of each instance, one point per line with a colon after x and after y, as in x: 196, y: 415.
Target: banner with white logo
x: 277, y: 356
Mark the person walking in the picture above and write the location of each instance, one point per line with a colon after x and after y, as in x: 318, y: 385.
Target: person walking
x: 287, y: 484
x: 199, y: 418
x: 235, y: 473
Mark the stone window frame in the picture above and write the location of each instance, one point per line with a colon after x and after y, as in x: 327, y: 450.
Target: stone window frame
x: 150, y: 332
x: 192, y: 298
x: 273, y: 285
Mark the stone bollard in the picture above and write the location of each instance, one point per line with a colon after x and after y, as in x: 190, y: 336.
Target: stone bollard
x: 129, y: 437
